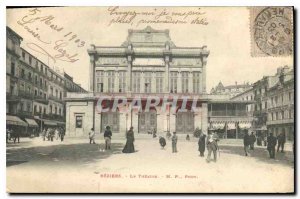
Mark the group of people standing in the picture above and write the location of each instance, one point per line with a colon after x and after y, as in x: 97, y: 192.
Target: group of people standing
x: 271, y: 142
x: 12, y: 135
x: 53, y: 133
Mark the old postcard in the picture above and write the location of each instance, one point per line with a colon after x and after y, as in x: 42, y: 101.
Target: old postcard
x: 150, y: 100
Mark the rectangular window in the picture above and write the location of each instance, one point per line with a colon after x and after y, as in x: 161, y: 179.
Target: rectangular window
x: 148, y: 76
x: 99, y: 81
x: 122, y: 81
x: 29, y: 76
x: 290, y: 114
x: 30, y: 60
x: 290, y: 96
x: 276, y: 116
x: 78, y: 122
x: 173, y: 82
x: 23, y: 55
x: 185, y: 82
x: 136, y: 80
x: 159, y: 82
x: 13, y: 69
x: 282, y: 114
x: 196, y: 82
x: 266, y: 105
x: 22, y: 73
x: 111, y: 81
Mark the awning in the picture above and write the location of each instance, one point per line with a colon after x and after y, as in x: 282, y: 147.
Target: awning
x: 217, y: 125
x: 244, y: 125
x: 231, y: 126
x: 31, y: 122
x: 14, y: 120
x: 49, y: 123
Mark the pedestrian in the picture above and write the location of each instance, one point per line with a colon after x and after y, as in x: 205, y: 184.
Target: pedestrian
x: 7, y: 135
x: 107, y: 138
x: 247, y: 141
x: 129, y: 146
x: 197, y: 132
x: 162, y: 142
x: 187, y: 137
x: 48, y: 133
x: 252, y: 140
x: 281, y: 142
x: 271, y: 144
x: 259, y: 140
x: 174, y: 142
x: 92, y: 136
x: 44, y: 132
x: 56, y: 133
x: 201, y: 144
x: 15, y: 135
x: 212, y: 146
x: 154, y: 133
x: 52, y: 134
x: 62, y: 134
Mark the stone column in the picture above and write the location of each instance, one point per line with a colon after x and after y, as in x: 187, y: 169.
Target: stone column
x: 204, y: 117
x: 116, y: 81
x: 190, y: 81
x: 129, y: 74
x: 204, y: 60
x: 179, y: 83
x: 166, y: 79
x: 142, y: 86
x: 92, y: 70
x: 153, y: 82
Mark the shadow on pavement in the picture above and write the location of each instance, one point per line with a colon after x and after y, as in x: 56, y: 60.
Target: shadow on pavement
x: 260, y: 154
x: 65, y: 154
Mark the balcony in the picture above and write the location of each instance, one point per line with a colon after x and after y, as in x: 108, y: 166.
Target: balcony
x: 26, y: 95
x: 52, y: 97
x: 229, y: 113
x: 41, y: 99
x: 54, y: 117
x: 284, y: 121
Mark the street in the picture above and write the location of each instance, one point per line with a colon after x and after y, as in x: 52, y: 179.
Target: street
x: 75, y: 165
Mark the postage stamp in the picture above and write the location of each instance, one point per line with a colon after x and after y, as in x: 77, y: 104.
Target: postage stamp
x: 271, y: 31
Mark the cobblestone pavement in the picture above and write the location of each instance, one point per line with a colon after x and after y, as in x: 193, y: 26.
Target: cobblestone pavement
x: 77, y: 166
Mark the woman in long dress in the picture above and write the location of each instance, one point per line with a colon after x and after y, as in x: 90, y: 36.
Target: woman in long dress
x: 129, y: 147
x: 201, y: 143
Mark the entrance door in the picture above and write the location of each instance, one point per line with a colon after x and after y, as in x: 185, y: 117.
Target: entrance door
x: 184, y: 122
x: 112, y: 120
x: 147, y: 121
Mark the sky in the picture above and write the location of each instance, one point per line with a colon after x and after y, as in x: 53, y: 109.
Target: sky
x: 225, y: 31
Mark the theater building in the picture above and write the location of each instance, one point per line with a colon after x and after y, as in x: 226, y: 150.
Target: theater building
x: 147, y: 64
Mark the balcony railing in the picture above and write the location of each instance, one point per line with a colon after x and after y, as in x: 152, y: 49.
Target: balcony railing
x: 229, y: 113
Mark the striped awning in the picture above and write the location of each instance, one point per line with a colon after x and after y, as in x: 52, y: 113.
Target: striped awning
x: 31, y: 122
x: 14, y: 120
x: 244, y: 125
x: 231, y: 126
x: 217, y: 125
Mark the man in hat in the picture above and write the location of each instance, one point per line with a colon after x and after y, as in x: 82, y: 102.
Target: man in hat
x: 271, y: 144
x: 212, y: 146
x: 174, y: 142
x: 246, y: 143
x: 107, y: 138
x: 281, y: 142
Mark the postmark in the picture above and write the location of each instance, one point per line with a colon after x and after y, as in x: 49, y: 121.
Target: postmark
x: 271, y: 31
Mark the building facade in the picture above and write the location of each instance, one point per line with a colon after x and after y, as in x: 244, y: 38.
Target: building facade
x: 280, y: 112
x: 34, y: 91
x: 147, y: 64
x: 273, y: 107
